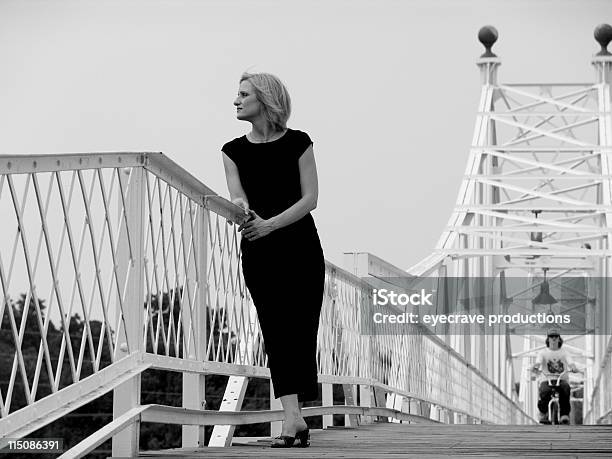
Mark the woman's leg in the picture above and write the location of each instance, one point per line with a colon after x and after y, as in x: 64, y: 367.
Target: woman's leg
x: 294, y: 422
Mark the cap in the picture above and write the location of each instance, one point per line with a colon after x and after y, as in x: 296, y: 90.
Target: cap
x: 553, y: 332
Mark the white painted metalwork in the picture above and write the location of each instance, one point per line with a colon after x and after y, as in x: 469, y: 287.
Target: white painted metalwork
x: 232, y: 401
x: 598, y: 386
x: 146, y: 255
x: 536, y: 195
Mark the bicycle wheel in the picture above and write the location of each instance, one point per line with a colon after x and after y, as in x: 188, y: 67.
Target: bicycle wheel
x: 554, y: 413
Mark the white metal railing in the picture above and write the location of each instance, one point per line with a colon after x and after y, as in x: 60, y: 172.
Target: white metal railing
x: 143, y: 253
x: 416, y: 366
x: 600, y: 409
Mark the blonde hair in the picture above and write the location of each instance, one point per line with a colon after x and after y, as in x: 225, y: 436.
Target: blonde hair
x: 274, y: 97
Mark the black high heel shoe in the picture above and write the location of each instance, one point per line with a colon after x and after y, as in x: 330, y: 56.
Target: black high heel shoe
x: 287, y: 441
x: 304, y: 438
x: 282, y: 441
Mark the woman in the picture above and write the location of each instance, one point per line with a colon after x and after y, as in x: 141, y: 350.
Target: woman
x: 271, y: 174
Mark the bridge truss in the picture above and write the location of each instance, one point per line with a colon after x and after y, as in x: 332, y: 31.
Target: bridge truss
x: 536, y: 200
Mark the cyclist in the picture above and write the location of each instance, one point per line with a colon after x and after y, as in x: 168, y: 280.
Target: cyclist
x: 554, y: 361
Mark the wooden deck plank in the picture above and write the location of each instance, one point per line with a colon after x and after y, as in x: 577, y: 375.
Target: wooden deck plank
x: 413, y: 440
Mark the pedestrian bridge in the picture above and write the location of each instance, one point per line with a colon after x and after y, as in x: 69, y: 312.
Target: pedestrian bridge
x: 113, y: 265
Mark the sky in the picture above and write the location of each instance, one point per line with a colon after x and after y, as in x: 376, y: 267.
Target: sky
x: 388, y: 90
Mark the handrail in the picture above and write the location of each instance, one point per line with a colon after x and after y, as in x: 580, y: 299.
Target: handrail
x: 29, y: 164
x: 155, y: 162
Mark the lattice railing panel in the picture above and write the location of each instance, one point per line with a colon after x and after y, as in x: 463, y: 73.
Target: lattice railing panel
x: 59, y: 279
x: 413, y: 364
x: 236, y: 336
x: 177, y: 226
x: 170, y: 266
x: 339, y: 331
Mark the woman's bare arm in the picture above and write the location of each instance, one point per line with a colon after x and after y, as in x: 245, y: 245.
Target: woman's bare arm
x: 237, y: 194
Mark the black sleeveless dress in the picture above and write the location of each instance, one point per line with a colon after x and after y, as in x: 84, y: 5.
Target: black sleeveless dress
x: 284, y: 270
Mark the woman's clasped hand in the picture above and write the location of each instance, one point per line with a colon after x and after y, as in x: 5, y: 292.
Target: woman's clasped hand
x: 255, y: 227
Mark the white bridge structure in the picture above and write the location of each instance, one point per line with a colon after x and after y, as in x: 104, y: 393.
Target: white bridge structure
x: 146, y: 256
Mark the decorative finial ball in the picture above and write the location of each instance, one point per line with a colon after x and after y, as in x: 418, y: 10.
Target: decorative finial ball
x: 487, y: 35
x: 603, y: 35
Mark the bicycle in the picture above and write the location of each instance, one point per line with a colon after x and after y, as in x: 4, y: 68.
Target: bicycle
x: 553, y: 404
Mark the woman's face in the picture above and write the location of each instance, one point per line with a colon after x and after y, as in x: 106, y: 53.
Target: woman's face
x: 247, y: 105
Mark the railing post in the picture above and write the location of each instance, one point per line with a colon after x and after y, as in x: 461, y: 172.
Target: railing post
x: 394, y: 401
x: 194, y: 389
x: 327, y: 399
x: 350, y: 396
x: 434, y: 413
x: 365, y: 399
x: 380, y: 399
x: 414, y: 407
x: 130, y: 251
x: 276, y: 427
x: 405, y: 408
